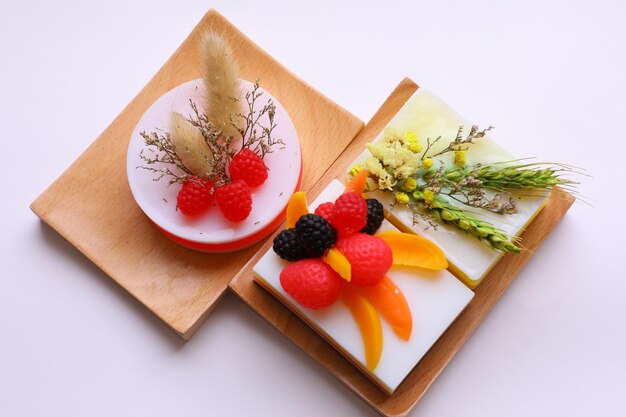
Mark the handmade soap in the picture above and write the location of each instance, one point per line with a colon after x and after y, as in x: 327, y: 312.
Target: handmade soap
x: 435, y: 299
x: 212, y: 232
x: 428, y: 117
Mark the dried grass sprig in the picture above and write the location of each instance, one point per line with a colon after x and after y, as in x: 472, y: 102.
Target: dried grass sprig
x: 203, y: 144
x: 459, y: 143
x: 213, y: 149
x: 162, y: 152
x: 221, y: 82
x: 190, y: 146
x: 219, y: 144
x: 255, y: 136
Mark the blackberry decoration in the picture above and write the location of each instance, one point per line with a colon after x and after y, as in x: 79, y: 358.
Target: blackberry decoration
x: 315, y: 234
x: 287, y: 246
x: 375, y: 216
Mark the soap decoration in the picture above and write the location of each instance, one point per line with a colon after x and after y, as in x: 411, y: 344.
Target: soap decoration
x: 337, y: 254
x: 435, y: 190
x: 216, y: 152
x: 221, y: 80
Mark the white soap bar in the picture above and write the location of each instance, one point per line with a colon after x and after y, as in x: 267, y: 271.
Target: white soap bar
x: 429, y: 117
x: 435, y: 298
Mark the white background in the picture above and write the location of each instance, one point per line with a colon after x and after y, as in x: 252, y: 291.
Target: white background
x: 548, y: 74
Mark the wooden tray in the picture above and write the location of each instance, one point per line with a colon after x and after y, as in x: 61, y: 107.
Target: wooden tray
x: 487, y: 293
x: 92, y: 207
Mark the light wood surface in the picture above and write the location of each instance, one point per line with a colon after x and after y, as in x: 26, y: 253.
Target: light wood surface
x: 487, y: 294
x: 92, y: 207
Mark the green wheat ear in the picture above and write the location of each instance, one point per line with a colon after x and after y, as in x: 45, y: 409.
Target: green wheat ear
x: 446, y: 213
x: 501, y: 177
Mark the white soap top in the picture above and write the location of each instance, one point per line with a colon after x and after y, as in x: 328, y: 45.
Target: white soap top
x: 158, y: 199
x: 429, y: 117
x: 435, y: 298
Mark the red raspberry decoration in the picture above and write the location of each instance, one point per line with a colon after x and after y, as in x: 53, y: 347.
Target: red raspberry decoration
x: 369, y: 256
x: 234, y: 200
x: 195, y: 196
x: 311, y: 282
x: 350, y: 214
x: 249, y: 167
x: 325, y: 210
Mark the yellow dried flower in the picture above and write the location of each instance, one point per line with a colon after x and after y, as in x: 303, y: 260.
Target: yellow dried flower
x: 415, y: 147
x: 412, y: 142
x: 410, y: 136
x: 427, y: 163
x: 429, y: 196
x: 390, y: 135
x: 460, y: 158
x: 386, y: 183
x: 376, y: 149
x: 402, y: 162
x: 402, y: 198
x: 356, y: 168
x: 409, y: 184
x: 404, y: 171
x: 375, y: 168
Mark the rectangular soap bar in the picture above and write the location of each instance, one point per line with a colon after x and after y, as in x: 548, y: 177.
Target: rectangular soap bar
x: 435, y: 299
x: 429, y: 117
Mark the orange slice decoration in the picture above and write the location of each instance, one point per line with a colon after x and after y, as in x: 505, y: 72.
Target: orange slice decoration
x: 413, y: 250
x: 337, y: 261
x: 368, y: 321
x: 357, y: 184
x: 296, y: 208
x: 390, y: 302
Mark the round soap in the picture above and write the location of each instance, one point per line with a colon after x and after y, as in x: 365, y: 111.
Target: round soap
x: 211, y: 232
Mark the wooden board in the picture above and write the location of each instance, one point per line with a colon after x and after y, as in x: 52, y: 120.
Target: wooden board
x: 92, y: 207
x: 489, y: 291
